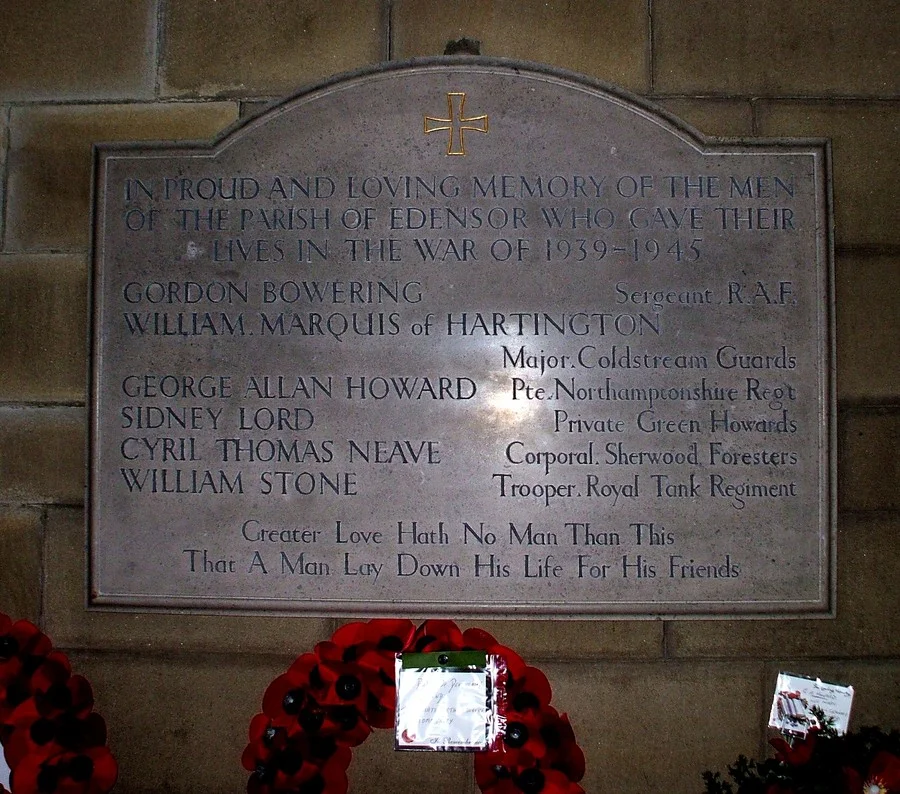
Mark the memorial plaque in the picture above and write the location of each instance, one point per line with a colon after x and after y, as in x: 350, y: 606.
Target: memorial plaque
x: 465, y: 337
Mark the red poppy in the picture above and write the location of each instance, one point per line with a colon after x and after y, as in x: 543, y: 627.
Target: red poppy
x: 20, y: 642
x: 883, y: 776
x: 494, y: 767
x: 373, y: 646
x: 335, y: 682
x: 563, y: 752
x: 93, y: 771
x: 797, y: 753
x: 35, y: 734
x: 533, y: 780
x: 437, y: 635
x: 23, y: 649
x: 527, y: 688
x: 285, y: 695
x: 479, y: 640
x: 384, y: 634
x: 296, y: 763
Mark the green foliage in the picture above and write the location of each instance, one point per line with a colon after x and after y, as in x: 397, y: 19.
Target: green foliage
x: 816, y: 765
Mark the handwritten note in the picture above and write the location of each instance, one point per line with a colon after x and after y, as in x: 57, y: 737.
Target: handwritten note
x: 443, y: 709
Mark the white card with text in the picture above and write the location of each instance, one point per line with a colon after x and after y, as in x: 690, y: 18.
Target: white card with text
x: 444, y: 707
x: 795, y: 698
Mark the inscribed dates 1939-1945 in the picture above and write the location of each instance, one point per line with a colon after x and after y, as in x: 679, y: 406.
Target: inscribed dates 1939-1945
x: 463, y: 337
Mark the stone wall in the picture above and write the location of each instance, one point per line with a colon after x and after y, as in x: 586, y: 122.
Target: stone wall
x: 653, y: 703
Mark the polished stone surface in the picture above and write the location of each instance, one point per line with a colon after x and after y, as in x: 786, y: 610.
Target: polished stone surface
x: 465, y: 337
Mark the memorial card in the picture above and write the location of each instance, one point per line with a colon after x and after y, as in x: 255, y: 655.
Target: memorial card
x: 447, y: 701
x: 796, y: 699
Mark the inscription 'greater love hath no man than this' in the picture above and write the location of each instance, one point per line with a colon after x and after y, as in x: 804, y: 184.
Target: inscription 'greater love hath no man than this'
x: 540, y: 353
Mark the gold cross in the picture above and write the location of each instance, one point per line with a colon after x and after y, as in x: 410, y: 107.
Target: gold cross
x: 457, y: 123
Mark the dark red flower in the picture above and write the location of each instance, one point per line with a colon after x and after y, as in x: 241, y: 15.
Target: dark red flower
x: 797, y: 753
x: 23, y: 648
x: 93, y: 771
x: 286, y: 694
x: 479, y: 640
x: 437, y: 635
x: 883, y: 776
x: 388, y: 635
x: 335, y: 682
x: 297, y: 762
x: 529, y: 780
x: 35, y: 734
x: 373, y: 646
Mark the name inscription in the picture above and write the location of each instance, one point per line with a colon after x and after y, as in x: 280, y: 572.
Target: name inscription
x: 585, y: 374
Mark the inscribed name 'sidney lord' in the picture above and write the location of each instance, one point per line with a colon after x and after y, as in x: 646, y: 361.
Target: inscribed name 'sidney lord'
x: 462, y: 339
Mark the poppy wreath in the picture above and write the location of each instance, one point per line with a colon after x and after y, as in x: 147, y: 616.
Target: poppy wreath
x: 52, y: 740
x: 330, y: 700
x: 858, y: 762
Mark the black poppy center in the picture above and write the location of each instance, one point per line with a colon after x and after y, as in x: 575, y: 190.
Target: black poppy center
x: 81, y: 768
x: 9, y: 646
x: 42, y: 731
x: 391, y: 643
x: 531, y: 781
x: 516, y: 735
x: 59, y: 696
x: 265, y: 774
x: 348, y: 687
x: 17, y: 692
x: 346, y: 717
x: 311, y: 719
x: 322, y: 746
x: 290, y: 762
x: 69, y: 730
x: 526, y: 700
x: 292, y: 701
x: 47, y: 780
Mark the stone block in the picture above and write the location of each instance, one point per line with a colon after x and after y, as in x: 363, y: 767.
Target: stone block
x: 771, y: 48
x: 875, y: 686
x: 229, y: 47
x: 89, y: 49
x: 42, y: 455
x: 658, y: 726
x: 867, y: 622
x: 178, y: 723
x: 71, y: 624
x: 4, y: 141
x: 43, y: 327
x: 573, y: 639
x: 869, y: 463
x: 866, y: 158
x: 20, y: 573
x: 49, y: 161
x: 868, y: 327
x: 607, y: 40
x: 714, y: 117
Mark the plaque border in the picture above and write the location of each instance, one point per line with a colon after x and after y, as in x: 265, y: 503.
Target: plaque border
x: 819, y: 147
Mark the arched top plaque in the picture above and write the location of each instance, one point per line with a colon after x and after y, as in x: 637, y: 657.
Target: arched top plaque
x: 463, y: 337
